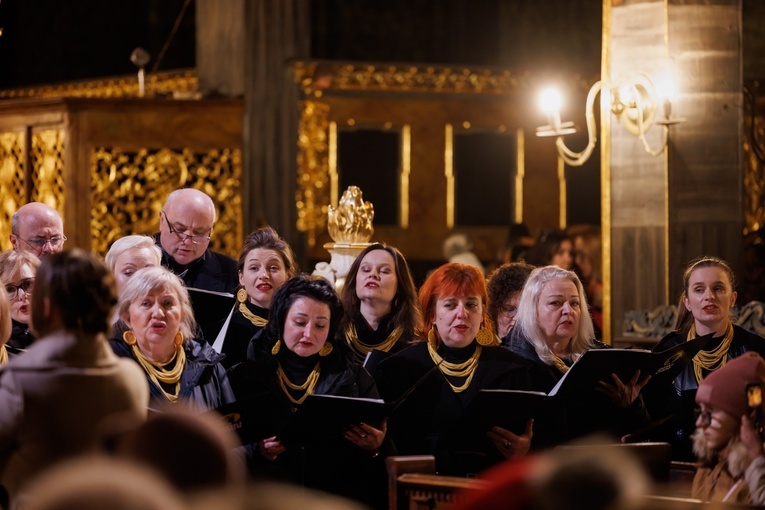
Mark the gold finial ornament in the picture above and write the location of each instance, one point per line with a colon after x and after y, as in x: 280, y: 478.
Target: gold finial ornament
x: 351, y: 221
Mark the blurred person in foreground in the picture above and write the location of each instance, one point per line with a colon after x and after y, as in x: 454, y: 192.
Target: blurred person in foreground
x: 54, y: 397
x: 722, y: 455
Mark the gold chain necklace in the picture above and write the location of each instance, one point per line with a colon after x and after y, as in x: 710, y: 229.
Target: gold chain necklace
x: 308, y: 386
x: 559, y: 364
x: 256, y: 320
x: 157, y: 372
x: 711, y: 360
x: 3, y: 355
x: 464, y: 369
x: 360, y: 349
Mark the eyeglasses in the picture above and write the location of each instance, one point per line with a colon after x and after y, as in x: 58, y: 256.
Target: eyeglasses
x: 38, y: 243
x: 703, y: 418
x: 25, y: 285
x: 196, y: 239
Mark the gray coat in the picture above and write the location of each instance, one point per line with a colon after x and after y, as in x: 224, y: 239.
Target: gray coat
x: 54, y: 397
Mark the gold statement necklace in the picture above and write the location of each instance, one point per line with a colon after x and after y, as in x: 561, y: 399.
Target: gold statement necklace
x: 158, y: 374
x: 256, y: 320
x: 464, y: 369
x: 3, y: 355
x: 307, y: 387
x: 711, y: 360
x: 360, y: 349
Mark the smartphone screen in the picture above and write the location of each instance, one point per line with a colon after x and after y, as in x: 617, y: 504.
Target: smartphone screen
x: 754, y: 402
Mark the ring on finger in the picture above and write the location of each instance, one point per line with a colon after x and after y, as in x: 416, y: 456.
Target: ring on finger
x: 506, y: 445
x: 363, y: 436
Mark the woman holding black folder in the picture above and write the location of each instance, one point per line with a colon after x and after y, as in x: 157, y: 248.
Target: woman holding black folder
x: 265, y: 263
x: 380, y: 301
x: 457, y: 355
x: 306, y: 360
x: 553, y: 329
x: 704, y: 308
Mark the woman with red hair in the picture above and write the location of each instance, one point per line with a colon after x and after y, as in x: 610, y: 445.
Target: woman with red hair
x: 456, y: 356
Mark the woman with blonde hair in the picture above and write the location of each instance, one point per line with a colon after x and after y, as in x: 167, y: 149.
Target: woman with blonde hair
x: 17, y: 274
x: 159, y: 335
x: 552, y: 331
x: 5, y: 325
x: 129, y: 254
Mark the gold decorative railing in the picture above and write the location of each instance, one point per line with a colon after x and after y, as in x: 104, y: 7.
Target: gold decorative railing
x: 159, y: 84
x: 109, y: 164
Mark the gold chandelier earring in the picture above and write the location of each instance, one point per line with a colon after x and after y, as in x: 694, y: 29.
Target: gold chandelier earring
x: 326, y: 349
x: 178, y: 340
x: 486, y: 337
x: 129, y: 337
x: 433, y: 337
x: 242, y: 295
x: 276, y: 347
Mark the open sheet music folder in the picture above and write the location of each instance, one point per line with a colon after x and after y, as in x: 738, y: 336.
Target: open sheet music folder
x: 597, y: 365
x: 319, y: 417
x: 210, y: 310
x: 511, y: 409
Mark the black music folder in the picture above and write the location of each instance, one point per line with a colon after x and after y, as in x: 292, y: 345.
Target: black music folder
x: 210, y: 310
x: 597, y: 365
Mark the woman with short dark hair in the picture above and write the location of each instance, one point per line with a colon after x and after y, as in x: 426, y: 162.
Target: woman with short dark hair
x: 306, y: 359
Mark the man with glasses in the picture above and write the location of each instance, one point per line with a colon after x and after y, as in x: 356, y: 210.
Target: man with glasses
x: 185, y: 226
x: 37, y: 228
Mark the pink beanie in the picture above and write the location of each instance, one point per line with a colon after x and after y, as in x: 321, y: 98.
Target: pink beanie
x: 725, y: 388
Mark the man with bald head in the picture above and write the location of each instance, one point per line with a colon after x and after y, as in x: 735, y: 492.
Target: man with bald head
x: 185, y: 226
x: 37, y: 228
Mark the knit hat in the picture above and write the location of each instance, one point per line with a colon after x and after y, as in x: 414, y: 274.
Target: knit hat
x: 725, y: 388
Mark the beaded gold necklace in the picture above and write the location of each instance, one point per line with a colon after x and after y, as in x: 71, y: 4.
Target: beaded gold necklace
x: 158, y: 374
x: 464, y: 369
x: 256, y: 320
x: 711, y: 360
x: 307, y: 387
x: 3, y: 355
x: 360, y: 349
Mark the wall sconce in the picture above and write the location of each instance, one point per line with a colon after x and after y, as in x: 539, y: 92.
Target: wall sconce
x: 633, y: 103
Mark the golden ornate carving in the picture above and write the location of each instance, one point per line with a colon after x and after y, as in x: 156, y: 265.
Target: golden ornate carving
x: 351, y: 221
x: 314, y: 77
x: 124, y: 86
x: 129, y: 189
x: 754, y: 176
x: 12, y: 181
x: 313, y: 194
x: 47, y: 157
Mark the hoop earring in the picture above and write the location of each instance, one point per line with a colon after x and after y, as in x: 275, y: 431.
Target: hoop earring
x: 276, y: 347
x: 178, y: 340
x: 242, y: 295
x: 485, y: 337
x: 433, y: 337
x: 326, y: 349
x: 129, y: 337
